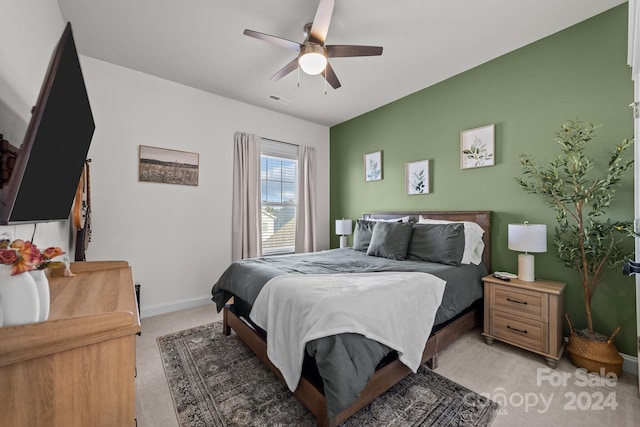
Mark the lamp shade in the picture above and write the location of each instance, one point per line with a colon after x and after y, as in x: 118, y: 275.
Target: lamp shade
x: 528, y: 237
x: 312, y: 59
x: 343, y: 227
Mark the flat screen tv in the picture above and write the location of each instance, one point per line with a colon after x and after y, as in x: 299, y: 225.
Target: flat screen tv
x: 50, y: 160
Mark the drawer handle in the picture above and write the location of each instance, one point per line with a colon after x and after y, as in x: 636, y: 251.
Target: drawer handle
x: 517, y: 330
x: 516, y: 301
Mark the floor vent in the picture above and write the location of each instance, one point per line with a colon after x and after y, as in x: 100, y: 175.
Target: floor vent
x: 279, y: 99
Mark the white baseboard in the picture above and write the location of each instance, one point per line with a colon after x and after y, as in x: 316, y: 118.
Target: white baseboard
x: 154, y: 310
x: 630, y: 364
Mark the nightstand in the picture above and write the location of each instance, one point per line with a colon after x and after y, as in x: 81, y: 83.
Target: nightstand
x: 525, y: 314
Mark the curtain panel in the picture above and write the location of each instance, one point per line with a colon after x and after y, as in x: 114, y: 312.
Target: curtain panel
x: 246, y: 239
x: 306, y: 194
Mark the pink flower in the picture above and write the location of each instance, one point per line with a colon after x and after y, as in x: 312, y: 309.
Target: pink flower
x: 8, y: 256
x: 30, y: 254
x: 17, y: 244
x: 52, y: 252
x: 20, y: 267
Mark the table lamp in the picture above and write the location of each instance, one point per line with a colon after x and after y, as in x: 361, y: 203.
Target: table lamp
x: 527, y: 238
x: 343, y: 228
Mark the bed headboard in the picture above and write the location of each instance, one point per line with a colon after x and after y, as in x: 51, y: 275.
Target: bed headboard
x: 482, y: 218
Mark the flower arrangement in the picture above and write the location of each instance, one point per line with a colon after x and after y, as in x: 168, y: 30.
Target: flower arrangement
x: 25, y: 256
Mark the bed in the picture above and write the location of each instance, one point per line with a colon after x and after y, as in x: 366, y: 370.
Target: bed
x: 239, y: 287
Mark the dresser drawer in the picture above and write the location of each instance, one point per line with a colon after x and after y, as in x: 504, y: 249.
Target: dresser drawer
x: 520, y: 331
x: 520, y: 302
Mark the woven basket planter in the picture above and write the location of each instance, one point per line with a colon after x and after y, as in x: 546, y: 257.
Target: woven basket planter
x: 600, y: 357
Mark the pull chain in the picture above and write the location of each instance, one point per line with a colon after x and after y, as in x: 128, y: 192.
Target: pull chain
x: 325, y: 80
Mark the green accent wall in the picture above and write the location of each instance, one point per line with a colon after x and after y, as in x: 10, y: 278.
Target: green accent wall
x: 580, y: 72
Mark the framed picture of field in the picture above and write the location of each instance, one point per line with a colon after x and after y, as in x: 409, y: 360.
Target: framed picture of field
x: 168, y: 166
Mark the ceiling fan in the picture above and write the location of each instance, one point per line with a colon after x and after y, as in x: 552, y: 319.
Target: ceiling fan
x: 312, y: 53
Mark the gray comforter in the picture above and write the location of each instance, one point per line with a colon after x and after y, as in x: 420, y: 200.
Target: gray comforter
x: 346, y: 362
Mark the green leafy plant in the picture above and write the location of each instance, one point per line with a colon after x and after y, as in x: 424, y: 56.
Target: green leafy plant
x: 580, y: 196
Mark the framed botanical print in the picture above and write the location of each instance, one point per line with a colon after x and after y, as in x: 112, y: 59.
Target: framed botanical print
x: 416, y: 177
x: 477, y: 147
x: 373, y: 166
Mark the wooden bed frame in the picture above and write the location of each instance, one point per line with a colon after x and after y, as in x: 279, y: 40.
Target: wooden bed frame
x: 387, y: 376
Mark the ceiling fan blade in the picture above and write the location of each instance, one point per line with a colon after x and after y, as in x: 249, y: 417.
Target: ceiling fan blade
x: 288, y: 44
x: 331, y: 77
x: 344, y: 50
x: 286, y: 70
x: 321, y: 22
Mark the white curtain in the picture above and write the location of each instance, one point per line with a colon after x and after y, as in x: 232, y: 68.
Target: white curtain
x: 246, y: 240
x: 306, y: 194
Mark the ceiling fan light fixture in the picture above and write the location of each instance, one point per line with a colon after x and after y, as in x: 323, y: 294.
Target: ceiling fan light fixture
x: 312, y: 59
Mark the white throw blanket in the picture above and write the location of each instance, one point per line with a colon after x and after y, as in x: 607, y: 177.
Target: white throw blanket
x: 393, y: 308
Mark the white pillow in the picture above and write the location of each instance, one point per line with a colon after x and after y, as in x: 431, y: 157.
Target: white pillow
x: 473, y: 244
x: 403, y: 219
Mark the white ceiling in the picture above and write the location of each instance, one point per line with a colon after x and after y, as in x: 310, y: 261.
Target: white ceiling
x: 199, y: 43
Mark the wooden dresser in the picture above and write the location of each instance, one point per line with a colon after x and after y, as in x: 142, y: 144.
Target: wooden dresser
x: 78, y: 367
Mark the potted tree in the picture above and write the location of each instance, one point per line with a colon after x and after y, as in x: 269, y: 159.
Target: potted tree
x: 586, y: 241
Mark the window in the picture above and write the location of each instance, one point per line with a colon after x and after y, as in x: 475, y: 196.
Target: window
x: 278, y: 179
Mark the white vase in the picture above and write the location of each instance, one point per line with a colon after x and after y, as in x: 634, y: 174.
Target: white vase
x: 42, y: 286
x: 19, y: 297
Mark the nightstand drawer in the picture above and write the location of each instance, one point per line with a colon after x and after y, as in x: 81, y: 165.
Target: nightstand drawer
x: 526, y: 333
x: 520, y: 302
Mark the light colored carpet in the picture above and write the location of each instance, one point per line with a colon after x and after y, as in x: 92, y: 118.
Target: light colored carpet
x: 154, y: 405
x: 217, y: 381
x: 499, y: 372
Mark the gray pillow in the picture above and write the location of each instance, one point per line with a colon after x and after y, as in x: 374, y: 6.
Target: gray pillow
x: 362, y: 234
x: 441, y: 243
x: 390, y: 240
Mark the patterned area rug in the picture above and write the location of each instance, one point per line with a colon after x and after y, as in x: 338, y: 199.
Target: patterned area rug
x: 217, y: 381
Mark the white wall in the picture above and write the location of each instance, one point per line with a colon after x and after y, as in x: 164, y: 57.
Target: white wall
x: 177, y: 238
x: 28, y: 35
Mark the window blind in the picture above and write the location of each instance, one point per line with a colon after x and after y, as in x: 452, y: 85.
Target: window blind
x: 278, y: 179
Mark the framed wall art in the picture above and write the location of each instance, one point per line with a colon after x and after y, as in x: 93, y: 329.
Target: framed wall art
x: 477, y: 147
x: 168, y: 166
x: 373, y: 166
x: 416, y: 177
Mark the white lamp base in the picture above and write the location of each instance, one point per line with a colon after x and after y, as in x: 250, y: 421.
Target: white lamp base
x: 526, y: 268
x: 343, y: 242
